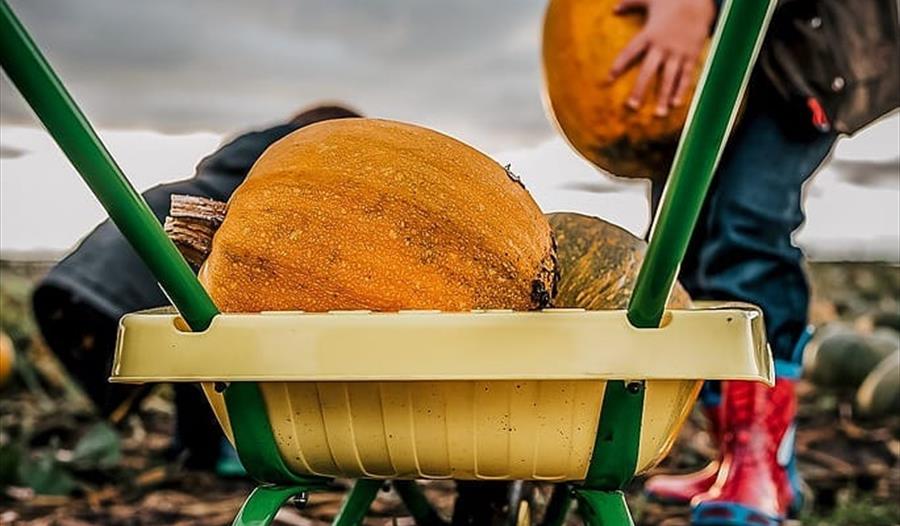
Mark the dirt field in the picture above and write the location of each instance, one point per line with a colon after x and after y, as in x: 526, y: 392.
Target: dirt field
x: 90, y: 471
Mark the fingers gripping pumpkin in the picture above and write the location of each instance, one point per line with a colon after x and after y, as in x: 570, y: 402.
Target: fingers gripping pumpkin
x: 379, y: 215
x: 581, y: 40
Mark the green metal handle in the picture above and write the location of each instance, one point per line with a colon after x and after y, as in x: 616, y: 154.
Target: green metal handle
x: 32, y: 75
x: 736, y: 43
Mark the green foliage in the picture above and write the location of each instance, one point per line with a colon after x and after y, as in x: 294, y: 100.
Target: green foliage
x: 49, y: 472
x: 858, y: 512
x: 15, y: 304
x: 10, y: 458
x: 46, y: 475
x: 99, y: 448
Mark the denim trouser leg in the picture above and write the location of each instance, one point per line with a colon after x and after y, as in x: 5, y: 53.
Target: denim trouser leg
x: 742, y: 248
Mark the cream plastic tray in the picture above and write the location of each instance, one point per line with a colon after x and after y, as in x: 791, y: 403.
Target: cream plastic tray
x: 481, y: 395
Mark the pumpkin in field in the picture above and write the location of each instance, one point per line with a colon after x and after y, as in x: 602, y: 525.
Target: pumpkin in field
x: 581, y: 40
x: 379, y: 215
x: 879, y: 394
x: 841, y: 358
x: 599, y: 263
x: 7, y: 358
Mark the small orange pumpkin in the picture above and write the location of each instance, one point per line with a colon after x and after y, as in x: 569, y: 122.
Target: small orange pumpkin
x: 7, y: 358
x: 581, y: 40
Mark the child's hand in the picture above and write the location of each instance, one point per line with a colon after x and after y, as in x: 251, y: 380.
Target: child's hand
x: 669, y: 44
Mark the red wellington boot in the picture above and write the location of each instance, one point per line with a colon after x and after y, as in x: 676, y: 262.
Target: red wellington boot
x: 753, y: 487
x: 680, y: 489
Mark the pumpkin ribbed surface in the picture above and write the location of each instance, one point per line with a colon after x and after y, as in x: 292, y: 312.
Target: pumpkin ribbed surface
x: 581, y: 40
x: 379, y: 215
x: 599, y: 263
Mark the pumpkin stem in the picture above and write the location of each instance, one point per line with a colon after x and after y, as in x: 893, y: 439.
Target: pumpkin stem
x: 515, y: 178
x: 544, y: 286
x: 191, y: 224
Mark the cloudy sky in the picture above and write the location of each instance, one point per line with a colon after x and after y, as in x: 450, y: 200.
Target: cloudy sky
x: 468, y: 67
x: 166, y: 81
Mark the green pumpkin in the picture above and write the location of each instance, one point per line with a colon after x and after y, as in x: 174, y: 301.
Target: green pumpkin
x: 841, y: 358
x: 599, y: 263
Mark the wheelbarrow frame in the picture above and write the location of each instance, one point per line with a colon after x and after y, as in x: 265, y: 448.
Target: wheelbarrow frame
x: 334, y: 359
x: 736, y: 42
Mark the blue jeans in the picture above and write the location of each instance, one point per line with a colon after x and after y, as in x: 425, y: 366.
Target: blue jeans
x: 741, y: 248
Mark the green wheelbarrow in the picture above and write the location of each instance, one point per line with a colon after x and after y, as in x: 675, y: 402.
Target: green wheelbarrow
x: 587, y: 399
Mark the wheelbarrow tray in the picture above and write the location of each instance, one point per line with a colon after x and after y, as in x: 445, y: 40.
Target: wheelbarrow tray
x: 488, y: 395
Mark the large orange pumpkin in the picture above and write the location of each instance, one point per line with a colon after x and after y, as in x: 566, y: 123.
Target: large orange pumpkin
x: 599, y: 263
x: 379, y: 215
x: 581, y: 40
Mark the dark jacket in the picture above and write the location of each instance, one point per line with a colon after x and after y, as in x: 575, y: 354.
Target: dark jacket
x: 105, y: 273
x: 834, y: 63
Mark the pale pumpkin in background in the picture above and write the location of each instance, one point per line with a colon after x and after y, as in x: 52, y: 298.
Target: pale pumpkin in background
x: 379, y: 215
x: 879, y: 394
x: 599, y: 264
x: 581, y: 40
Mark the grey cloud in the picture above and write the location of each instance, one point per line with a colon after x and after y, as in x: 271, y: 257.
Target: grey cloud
x: 175, y: 66
x: 884, y: 174
x: 10, y: 152
x: 595, y: 187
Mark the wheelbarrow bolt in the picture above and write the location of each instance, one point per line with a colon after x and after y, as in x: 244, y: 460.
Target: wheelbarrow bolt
x: 220, y: 387
x: 300, y: 500
x: 634, y: 387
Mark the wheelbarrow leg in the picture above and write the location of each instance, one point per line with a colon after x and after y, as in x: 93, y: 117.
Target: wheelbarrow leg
x: 357, y: 502
x: 603, y: 508
x: 262, y: 505
x: 421, y: 510
x: 559, y: 505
